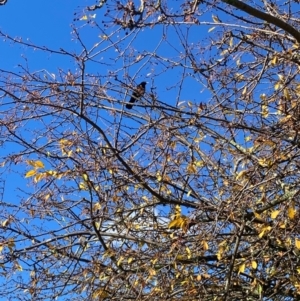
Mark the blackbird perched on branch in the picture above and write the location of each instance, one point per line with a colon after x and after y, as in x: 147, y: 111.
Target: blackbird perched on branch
x: 138, y: 92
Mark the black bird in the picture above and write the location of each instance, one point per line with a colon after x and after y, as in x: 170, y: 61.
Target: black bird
x: 138, y: 92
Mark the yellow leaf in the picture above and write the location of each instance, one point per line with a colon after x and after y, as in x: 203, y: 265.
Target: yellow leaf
x: 177, y: 210
x: 177, y: 223
x: 108, y: 253
x: 40, y: 176
x: 158, y: 177
x: 264, y: 111
x: 51, y: 172
x: 100, y: 293
x: 264, y: 230
x: 261, y: 234
x: 30, y: 173
x: 242, y: 268
x: 281, y: 77
x: 83, y: 18
x: 97, y: 206
x: 180, y: 257
x: 188, y: 251
x: 129, y: 260
x: 265, y: 162
x: 65, y: 142
x: 154, y: 261
x: 60, y: 175
x: 97, y: 224
x: 5, y: 223
x: 173, y: 144
x: 274, y: 214
x: 191, y: 168
x: 35, y: 164
x: 263, y: 97
x: 288, y: 241
x: 11, y: 244
x: 39, y: 164
x: 200, y: 163
x: 152, y: 272
x: 256, y: 215
x: 277, y: 86
x: 297, y: 243
x: 211, y: 29
x: 274, y: 60
x: 282, y: 225
x: 221, y: 250
x: 135, y: 283
x: 85, y: 177
x: 145, y: 198
x: 82, y: 186
x: 269, y: 143
x: 215, y: 19
x: 19, y: 267
x: 286, y: 94
x: 291, y: 212
x: 205, y: 245
x: 120, y: 261
x: 254, y: 264
x: 239, y: 77
x: 224, y: 52
x: 258, y: 289
x: 241, y: 174
x: 262, y: 199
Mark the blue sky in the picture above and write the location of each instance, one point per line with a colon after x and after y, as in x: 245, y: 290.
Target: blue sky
x: 46, y: 22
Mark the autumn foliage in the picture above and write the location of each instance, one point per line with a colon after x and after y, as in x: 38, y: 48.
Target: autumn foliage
x: 191, y: 195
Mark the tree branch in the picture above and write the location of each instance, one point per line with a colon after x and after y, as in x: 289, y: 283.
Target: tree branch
x: 265, y: 17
